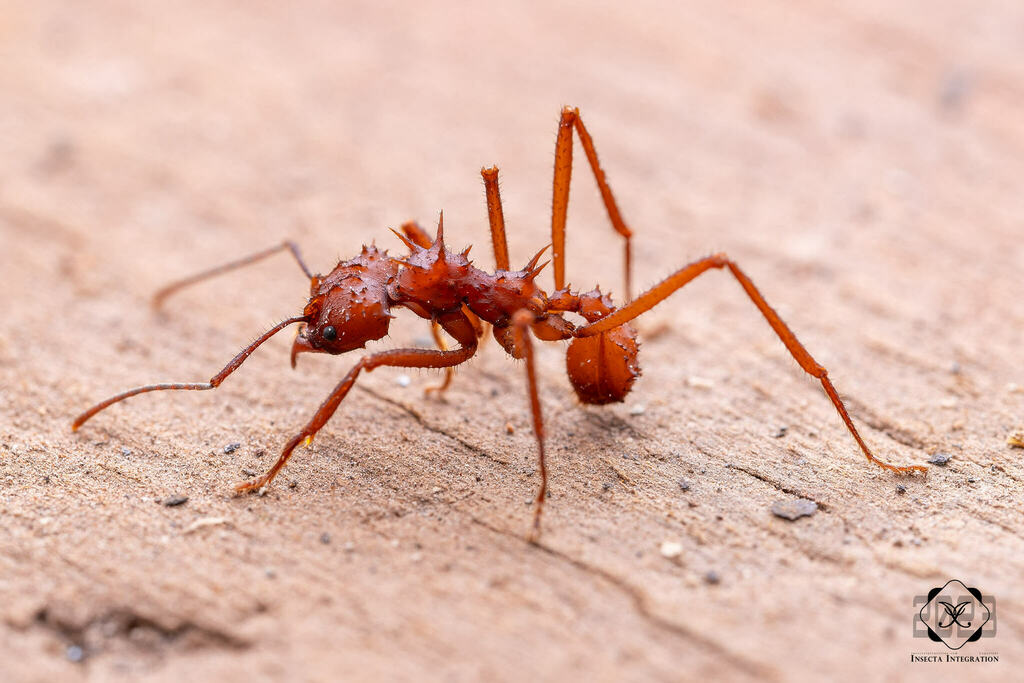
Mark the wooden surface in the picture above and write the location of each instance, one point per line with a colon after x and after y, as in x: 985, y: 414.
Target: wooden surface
x: 862, y: 160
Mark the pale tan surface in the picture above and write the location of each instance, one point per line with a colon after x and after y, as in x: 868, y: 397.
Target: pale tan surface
x: 862, y: 162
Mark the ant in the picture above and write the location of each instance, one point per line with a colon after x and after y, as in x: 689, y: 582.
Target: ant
x: 354, y: 304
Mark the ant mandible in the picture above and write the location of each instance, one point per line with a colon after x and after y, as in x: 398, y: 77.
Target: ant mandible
x: 353, y: 305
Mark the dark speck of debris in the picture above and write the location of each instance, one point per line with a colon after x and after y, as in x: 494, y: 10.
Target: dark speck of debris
x: 629, y: 456
x: 712, y: 577
x: 293, y: 484
x: 175, y: 501
x: 249, y: 473
x: 954, y: 90
x: 606, y: 486
x: 901, y: 489
x: 684, y: 485
x: 232, y: 447
x: 74, y: 653
x: 46, y: 479
x: 794, y: 509
x: 940, y: 459
x: 325, y: 538
x: 781, y: 432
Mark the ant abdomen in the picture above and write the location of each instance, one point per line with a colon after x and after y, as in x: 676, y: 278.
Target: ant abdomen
x: 602, y: 368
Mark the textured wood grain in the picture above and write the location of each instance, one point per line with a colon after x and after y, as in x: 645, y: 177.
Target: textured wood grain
x: 860, y: 160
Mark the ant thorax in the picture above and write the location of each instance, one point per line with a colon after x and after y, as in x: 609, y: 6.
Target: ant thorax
x: 434, y: 280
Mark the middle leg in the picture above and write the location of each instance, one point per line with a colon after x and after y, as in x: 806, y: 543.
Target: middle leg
x: 521, y: 322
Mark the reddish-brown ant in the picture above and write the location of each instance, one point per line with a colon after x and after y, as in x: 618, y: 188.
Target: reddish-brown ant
x: 353, y: 304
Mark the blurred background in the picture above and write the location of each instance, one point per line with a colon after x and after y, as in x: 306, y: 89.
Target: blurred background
x: 861, y: 160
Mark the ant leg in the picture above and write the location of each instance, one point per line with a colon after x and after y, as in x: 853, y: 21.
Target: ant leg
x: 160, y: 296
x: 560, y: 195
x: 214, y: 382
x: 521, y: 322
x: 669, y: 285
x: 435, y: 331
x: 455, y: 323
x: 496, y: 217
x: 417, y: 234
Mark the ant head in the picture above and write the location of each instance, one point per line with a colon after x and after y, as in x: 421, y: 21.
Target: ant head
x: 348, y: 307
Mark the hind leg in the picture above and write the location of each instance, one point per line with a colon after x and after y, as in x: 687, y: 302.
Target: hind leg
x: 570, y: 120
x: 681, y: 277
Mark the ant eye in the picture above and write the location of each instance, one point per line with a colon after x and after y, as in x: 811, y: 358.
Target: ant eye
x: 329, y: 333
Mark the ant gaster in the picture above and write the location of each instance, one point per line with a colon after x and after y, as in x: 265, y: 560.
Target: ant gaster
x: 354, y: 304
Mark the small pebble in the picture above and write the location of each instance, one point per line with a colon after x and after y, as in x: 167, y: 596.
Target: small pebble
x: 940, y: 459
x: 1016, y: 440
x: 175, y: 501
x: 699, y: 382
x: 948, y: 402
x: 671, y: 549
x: 403, y: 380
x: 293, y: 484
x: 325, y: 538
x: 780, y: 432
x: 684, y: 485
x: 794, y: 509
x: 712, y: 577
x: 74, y: 653
x: 638, y: 409
x: 125, y: 452
x: 269, y: 572
x: 232, y: 447
x: 901, y: 489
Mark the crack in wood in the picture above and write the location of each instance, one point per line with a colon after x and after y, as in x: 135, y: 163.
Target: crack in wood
x: 641, y: 604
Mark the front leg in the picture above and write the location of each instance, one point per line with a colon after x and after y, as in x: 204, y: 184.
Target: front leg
x: 455, y: 323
